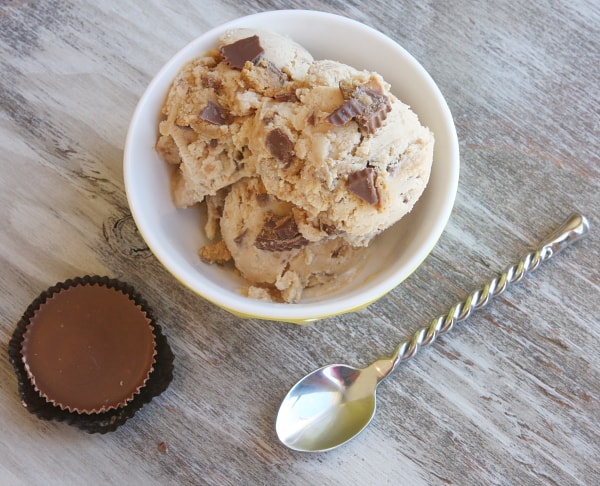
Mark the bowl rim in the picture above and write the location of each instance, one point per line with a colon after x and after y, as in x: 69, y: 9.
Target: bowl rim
x: 299, y: 313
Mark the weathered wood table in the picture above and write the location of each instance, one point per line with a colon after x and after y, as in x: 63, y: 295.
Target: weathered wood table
x: 510, y: 397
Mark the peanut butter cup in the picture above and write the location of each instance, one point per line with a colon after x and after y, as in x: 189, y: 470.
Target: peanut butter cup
x: 88, y: 351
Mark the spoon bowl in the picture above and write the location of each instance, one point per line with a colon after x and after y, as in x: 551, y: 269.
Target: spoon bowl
x: 327, y: 408
x: 333, y: 404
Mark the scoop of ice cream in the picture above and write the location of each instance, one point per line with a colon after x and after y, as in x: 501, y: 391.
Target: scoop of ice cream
x: 346, y: 176
x: 264, y: 235
x: 210, y: 107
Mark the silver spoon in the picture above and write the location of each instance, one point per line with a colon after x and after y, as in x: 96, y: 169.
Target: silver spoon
x: 333, y: 404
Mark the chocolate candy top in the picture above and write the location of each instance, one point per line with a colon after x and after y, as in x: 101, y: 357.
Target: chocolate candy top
x: 237, y: 53
x: 214, y: 114
x: 362, y: 184
x: 280, y: 146
x: 280, y: 234
x: 366, y: 103
x: 89, y: 348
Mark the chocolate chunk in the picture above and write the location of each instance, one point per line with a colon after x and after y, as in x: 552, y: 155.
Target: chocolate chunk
x: 342, y: 115
x: 278, y: 77
x: 280, y: 146
x: 211, y: 82
x: 362, y: 184
x: 248, y: 49
x: 285, y: 96
x: 286, y: 229
x: 214, y: 114
x: 366, y: 104
x: 376, y: 111
x: 329, y: 229
x: 266, y: 79
x: 280, y: 233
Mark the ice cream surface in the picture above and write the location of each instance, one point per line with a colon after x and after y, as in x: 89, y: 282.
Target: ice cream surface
x: 300, y: 162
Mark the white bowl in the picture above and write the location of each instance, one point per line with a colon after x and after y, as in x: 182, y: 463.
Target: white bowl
x: 175, y: 235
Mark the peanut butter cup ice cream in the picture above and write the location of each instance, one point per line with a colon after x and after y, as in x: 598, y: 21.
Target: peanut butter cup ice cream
x: 300, y: 162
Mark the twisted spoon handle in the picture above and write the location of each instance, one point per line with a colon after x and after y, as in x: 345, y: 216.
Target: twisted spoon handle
x: 575, y: 227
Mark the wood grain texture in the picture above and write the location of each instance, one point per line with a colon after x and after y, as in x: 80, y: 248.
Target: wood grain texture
x: 511, y: 396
